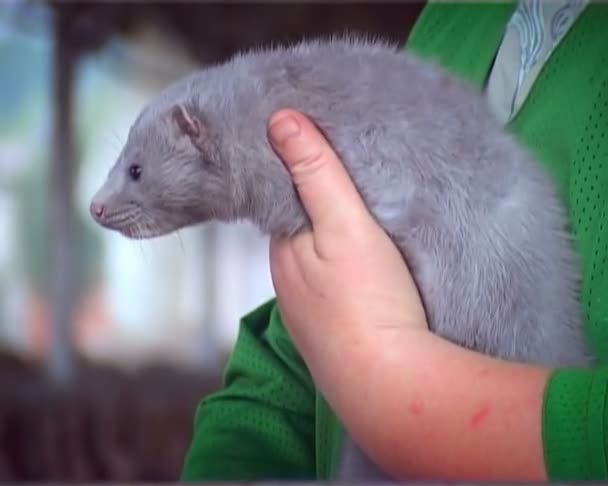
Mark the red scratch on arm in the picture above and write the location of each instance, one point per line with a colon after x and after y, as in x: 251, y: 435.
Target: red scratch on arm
x: 415, y: 407
x: 479, y: 416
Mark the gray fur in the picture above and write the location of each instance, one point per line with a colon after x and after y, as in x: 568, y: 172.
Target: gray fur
x: 477, y: 218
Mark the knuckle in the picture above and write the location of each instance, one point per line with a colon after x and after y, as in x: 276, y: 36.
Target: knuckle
x: 309, y: 165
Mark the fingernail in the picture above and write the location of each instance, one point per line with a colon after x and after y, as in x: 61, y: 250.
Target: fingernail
x: 283, y: 129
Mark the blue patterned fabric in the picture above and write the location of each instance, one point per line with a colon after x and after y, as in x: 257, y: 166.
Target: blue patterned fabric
x: 535, y: 29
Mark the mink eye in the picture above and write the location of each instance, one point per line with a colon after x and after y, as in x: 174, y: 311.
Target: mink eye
x: 135, y: 172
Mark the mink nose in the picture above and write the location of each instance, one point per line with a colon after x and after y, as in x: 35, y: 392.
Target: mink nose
x: 97, y: 210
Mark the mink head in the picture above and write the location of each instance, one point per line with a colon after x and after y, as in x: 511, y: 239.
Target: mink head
x: 169, y: 175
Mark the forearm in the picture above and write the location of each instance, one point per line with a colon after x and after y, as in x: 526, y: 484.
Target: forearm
x: 431, y: 409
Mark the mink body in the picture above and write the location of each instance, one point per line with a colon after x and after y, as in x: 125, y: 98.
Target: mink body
x: 477, y: 218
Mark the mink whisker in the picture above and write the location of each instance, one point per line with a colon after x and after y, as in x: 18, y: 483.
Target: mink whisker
x: 181, y: 243
x: 116, y: 137
x: 116, y: 147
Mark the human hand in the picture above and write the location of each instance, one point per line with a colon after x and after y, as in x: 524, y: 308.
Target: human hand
x: 343, y: 288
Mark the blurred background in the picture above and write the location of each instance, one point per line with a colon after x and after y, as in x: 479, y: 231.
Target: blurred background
x: 107, y: 344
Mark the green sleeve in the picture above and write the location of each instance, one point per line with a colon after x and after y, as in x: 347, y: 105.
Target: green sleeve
x: 575, y: 425
x: 261, y: 424
x: 575, y: 422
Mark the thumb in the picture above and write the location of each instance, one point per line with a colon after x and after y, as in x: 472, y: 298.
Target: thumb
x: 326, y: 190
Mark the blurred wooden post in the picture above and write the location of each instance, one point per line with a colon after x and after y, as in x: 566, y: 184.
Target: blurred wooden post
x: 61, y: 207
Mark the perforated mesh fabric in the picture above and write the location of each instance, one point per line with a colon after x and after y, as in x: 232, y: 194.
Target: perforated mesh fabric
x: 569, y: 134
x: 262, y: 423
x: 575, y: 425
x: 565, y: 122
x: 462, y: 38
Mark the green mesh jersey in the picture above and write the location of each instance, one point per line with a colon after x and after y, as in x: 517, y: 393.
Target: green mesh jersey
x: 269, y: 422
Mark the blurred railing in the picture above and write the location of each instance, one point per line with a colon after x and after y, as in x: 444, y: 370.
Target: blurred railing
x: 105, y: 426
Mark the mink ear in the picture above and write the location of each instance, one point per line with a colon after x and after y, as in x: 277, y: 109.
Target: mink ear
x: 189, y: 125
